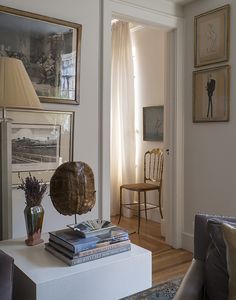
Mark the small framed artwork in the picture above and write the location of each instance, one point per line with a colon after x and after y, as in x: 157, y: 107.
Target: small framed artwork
x: 35, y: 147
x: 211, y: 36
x: 41, y: 141
x: 49, y: 49
x: 211, y: 94
x: 153, y: 123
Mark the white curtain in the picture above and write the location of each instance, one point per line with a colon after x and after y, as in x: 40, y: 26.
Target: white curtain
x: 122, y: 113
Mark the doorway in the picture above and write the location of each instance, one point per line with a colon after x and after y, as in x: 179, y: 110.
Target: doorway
x: 137, y: 92
x: 173, y: 206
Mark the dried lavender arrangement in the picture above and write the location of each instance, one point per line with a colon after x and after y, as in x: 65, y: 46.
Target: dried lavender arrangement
x: 34, y: 190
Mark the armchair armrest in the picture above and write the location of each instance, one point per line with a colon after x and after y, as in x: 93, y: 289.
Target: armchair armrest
x: 192, y: 284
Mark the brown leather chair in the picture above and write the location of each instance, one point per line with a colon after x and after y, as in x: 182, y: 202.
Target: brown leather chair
x: 6, y: 276
x: 153, y: 170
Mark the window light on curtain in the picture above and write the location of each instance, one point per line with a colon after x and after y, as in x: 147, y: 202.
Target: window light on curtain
x: 122, y: 112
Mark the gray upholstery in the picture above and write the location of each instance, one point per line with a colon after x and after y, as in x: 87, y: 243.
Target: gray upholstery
x: 201, y: 237
x: 6, y: 276
x: 192, y: 286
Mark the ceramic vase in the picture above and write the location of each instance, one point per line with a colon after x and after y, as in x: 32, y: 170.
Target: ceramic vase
x: 33, y: 221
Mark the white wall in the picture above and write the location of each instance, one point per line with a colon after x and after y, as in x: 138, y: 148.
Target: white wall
x: 91, y: 114
x: 86, y: 142
x: 210, y: 148
x: 150, y: 73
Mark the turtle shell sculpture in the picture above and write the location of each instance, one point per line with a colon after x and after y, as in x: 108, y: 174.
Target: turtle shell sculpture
x: 72, y: 188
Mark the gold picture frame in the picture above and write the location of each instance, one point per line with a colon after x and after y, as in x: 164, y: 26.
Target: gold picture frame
x: 211, y: 36
x: 50, y: 50
x: 211, y: 92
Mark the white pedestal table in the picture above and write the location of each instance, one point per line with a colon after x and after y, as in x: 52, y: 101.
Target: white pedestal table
x: 41, y: 276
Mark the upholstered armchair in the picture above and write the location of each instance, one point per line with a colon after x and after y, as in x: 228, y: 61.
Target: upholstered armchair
x: 207, y: 276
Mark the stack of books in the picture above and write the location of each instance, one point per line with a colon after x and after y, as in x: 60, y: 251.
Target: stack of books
x: 87, y: 241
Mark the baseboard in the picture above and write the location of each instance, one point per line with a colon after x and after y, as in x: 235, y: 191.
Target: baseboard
x: 187, y: 241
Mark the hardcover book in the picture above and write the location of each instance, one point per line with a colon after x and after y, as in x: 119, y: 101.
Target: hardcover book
x: 79, y: 260
x: 98, y: 249
x: 75, y: 243
x: 92, y: 227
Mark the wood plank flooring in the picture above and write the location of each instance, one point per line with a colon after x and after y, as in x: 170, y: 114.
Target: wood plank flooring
x: 167, y: 262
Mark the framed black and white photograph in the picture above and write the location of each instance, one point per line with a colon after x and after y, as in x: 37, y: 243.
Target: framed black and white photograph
x: 211, y: 92
x: 153, y: 123
x: 41, y: 141
x: 212, y: 36
x: 35, y: 147
x: 49, y: 49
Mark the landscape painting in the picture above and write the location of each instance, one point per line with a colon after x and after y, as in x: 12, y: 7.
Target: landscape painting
x: 35, y: 147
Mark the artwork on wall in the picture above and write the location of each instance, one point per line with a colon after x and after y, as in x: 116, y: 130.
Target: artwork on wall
x: 211, y: 94
x: 153, y: 123
x: 41, y: 141
x: 49, y: 49
x: 35, y: 147
x: 212, y: 36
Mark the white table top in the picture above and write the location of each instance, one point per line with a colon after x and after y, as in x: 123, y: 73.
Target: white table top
x: 41, y: 266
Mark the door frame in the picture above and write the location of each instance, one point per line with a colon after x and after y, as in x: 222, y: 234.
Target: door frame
x: 174, y: 209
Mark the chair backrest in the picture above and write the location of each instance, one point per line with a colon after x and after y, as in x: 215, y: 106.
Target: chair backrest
x: 153, y: 166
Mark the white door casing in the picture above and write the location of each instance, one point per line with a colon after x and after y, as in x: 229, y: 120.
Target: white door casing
x: 174, y: 191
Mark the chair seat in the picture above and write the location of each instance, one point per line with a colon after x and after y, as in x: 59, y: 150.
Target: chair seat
x: 140, y: 187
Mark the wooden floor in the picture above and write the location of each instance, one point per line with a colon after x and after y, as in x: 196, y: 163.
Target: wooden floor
x: 167, y: 262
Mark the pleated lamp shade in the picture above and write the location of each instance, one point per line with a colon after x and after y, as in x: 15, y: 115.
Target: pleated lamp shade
x: 16, y: 89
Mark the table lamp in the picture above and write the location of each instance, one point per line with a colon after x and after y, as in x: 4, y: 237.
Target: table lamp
x: 16, y: 91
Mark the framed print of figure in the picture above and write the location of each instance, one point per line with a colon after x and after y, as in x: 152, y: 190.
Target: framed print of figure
x: 211, y: 94
x: 211, y: 36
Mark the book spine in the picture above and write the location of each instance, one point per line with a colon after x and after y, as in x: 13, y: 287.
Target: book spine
x: 71, y: 254
x: 62, y: 249
x: 79, y: 260
x: 58, y: 254
x: 73, y: 248
x: 102, y: 254
x: 104, y: 248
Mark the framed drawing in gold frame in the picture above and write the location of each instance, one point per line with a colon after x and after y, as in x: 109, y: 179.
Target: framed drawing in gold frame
x: 49, y: 49
x: 211, y: 36
x: 41, y: 141
x: 211, y: 92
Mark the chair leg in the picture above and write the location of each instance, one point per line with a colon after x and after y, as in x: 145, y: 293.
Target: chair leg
x: 145, y: 205
x: 139, y: 211
x: 160, y: 208
x: 120, y: 204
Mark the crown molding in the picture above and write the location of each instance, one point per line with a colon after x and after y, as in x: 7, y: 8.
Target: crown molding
x: 136, y: 28
x: 165, y: 8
